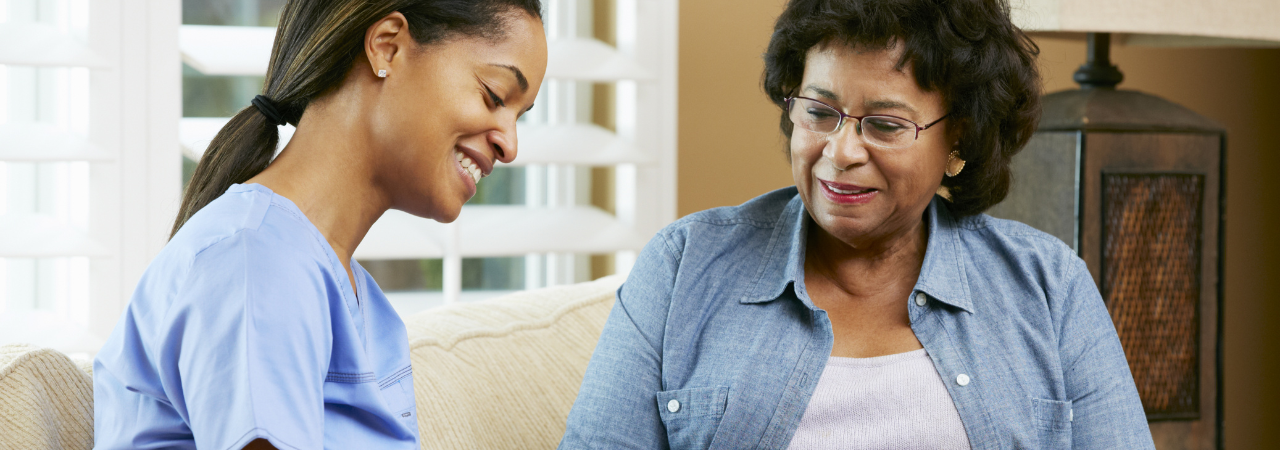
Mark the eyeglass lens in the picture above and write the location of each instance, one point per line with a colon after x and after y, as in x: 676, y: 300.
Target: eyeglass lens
x: 884, y: 131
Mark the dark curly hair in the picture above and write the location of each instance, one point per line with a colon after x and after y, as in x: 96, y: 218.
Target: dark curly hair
x: 967, y: 50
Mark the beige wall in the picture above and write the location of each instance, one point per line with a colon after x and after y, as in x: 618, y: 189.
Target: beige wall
x: 730, y: 147
x: 730, y: 151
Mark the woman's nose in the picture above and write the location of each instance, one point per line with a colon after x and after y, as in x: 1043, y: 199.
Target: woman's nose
x: 503, y: 141
x: 846, y: 148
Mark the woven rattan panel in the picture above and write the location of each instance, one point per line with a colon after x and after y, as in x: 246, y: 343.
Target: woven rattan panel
x: 1151, y: 283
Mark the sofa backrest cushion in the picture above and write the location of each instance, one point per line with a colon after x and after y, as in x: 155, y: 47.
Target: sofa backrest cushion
x: 503, y: 373
x: 46, y: 401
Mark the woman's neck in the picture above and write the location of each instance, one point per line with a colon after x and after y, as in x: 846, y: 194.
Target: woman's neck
x: 870, y: 267
x: 327, y: 170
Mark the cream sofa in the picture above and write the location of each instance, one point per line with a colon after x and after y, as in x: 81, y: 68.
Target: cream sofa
x: 496, y: 374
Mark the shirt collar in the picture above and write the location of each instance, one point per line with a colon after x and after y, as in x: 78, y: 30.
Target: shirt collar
x: 784, y: 256
x: 942, y: 276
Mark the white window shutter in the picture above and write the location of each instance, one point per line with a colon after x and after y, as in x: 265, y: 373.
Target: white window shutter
x: 89, y: 100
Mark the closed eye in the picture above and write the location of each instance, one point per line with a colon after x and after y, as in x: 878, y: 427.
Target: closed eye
x: 886, y: 125
x: 495, y: 98
x: 821, y: 113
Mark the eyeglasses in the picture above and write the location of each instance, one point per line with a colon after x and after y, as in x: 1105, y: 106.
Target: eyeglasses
x: 882, y: 131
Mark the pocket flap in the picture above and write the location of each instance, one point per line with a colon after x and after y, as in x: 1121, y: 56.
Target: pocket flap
x: 1051, y: 415
x: 695, y: 402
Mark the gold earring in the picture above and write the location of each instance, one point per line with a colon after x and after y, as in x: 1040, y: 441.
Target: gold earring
x: 954, y: 164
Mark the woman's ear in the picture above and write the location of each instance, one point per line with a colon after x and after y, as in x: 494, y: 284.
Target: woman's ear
x: 955, y: 132
x: 386, y: 40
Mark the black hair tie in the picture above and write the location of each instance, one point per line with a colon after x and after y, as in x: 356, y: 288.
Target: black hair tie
x: 268, y: 109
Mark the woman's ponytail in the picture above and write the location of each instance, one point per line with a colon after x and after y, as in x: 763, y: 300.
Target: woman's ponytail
x: 241, y: 150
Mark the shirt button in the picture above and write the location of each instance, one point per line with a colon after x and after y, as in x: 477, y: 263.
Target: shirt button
x: 962, y: 380
x: 920, y: 299
x: 673, y: 405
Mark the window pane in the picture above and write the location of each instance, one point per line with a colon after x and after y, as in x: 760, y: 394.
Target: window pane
x: 253, y: 13
x: 188, y: 169
x: 503, y: 186
x: 216, y: 96
x: 493, y: 274
x: 478, y: 274
x: 400, y: 275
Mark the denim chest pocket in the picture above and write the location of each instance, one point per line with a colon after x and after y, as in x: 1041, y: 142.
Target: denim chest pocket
x: 691, y: 416
x: 1052, y: 421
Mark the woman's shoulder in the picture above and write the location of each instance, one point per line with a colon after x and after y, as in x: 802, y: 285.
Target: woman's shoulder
x: 249, y: 218
x: 1019, y: 251
x: 229, y: 237
x: 1018, y: 256
x: 1013, y: 236
x: 237, y: 248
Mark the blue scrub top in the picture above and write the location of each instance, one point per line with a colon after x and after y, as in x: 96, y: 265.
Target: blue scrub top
x: 244, y: 327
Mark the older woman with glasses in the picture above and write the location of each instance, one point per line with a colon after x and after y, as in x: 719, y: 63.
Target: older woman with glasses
x: 873, y: 305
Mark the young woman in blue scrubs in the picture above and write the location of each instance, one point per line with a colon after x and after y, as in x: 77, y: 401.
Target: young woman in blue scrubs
x: 254, y: 328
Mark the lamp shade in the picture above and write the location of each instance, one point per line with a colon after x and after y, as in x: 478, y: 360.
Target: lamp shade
x: 1179, y: 23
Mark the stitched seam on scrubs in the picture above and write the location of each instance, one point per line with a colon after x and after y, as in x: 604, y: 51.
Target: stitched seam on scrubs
x: 396, y: 377
x: 249, y: 332
x: 325, y: 248
x: 191, y: 264
x: 350, y: 378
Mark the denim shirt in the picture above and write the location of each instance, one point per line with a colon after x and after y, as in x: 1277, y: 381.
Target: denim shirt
x: 714, y: 342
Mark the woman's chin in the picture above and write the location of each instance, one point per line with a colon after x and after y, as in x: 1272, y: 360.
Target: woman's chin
x: 437, y: 209
x: 845, y: 226
x: 447, y: 216
x: 450, y: 213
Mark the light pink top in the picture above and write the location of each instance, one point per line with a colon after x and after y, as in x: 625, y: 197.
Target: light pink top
x: 886, y: 402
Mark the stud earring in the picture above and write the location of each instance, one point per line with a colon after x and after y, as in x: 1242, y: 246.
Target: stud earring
x: 382, y: 73
x: 954, y: 164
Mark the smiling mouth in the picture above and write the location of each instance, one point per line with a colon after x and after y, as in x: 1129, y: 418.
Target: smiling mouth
x: 843, y: 189
x: 468, y: 166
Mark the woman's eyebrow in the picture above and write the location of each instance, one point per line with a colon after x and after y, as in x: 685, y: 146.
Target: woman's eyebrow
x: 869, y: 104
x: 524, y: 82
x: 888, y: 104
x: 823, y: 92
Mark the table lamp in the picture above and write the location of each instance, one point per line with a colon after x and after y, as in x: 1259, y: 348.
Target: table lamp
x: 1135, y: 184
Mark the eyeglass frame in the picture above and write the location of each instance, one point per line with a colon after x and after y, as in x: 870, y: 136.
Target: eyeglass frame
x: 790, y: 100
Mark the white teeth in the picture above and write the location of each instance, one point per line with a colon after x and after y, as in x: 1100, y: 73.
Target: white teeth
x: 847, y: 192
x: 468, y: 165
